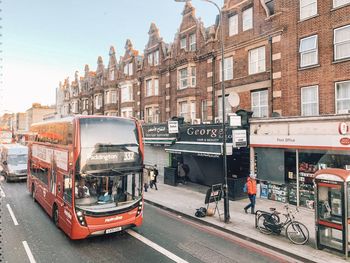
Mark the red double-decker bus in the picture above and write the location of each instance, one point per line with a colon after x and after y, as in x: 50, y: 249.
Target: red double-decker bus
x: 86, y: 172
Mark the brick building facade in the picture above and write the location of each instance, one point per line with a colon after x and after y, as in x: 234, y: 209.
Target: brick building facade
x: 283, y: 58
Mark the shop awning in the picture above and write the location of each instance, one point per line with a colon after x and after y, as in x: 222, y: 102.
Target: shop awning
x: 162, y: 141
x: 201, y: 149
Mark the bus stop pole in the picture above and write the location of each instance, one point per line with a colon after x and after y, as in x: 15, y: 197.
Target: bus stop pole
x: 297, y: 174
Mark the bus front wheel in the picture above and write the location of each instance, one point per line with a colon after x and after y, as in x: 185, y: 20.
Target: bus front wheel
x: 55, y: 215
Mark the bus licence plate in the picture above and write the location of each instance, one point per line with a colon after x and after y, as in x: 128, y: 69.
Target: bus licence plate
x: 112, y: 230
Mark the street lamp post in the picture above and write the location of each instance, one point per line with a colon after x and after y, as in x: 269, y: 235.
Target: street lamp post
x: 224, y: 163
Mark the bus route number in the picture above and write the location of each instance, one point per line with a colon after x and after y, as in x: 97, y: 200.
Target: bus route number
x: 129, y: 156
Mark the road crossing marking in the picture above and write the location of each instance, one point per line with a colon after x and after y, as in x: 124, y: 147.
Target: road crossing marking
x: 2, y: 193
x: 29, y: 253
x: 156, y: 247
x: 12, y: 215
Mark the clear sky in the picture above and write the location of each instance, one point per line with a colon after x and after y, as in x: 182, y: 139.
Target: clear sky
x: 45, y: 41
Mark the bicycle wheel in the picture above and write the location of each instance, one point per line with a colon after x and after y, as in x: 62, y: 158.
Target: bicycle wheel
x: 262, y: 224
x: 297, y: 233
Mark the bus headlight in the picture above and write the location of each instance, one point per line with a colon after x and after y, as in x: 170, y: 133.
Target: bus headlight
x: 139, y: 208
x: 81, y: 217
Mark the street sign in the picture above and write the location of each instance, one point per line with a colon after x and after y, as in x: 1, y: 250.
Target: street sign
x: 173, y: 126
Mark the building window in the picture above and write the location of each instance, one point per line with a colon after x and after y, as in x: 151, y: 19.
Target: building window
x: 204, y: 107
x: 342, y: 42
x: 308, y: 51
x: 156, y: 57
x: 248, y: 19
x: 127, y: 112
x: 150, y: 59
x: 308, y: 8
x: 98, y: 101
x: 107, y: 97
x: 193, y: 76
x: 256, y: 60
x: 309, y: 101
x: 228, y: 69
x: 228, y: 108
x: 193, y: 42
x: 128, y: 69
x: 113, y: 96
x: 148, y: 87
x: 149, y: 115
x: 337, y: 3
x: 187, y: 77
x: 233, y: 25
x: 342, y: 97
x: 152, y: 87
x: 183, y: 78
x: 183, y: 110
x: 126, y: 93
x: 259, y: 102
x: 183, y: 43
x: 156, y: 87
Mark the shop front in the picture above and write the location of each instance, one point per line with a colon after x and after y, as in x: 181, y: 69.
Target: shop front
x: 200, y: 147
x: 287, y: 152
x: 156, y: 137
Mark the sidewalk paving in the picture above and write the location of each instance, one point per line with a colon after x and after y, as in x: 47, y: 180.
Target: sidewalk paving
x: 185, y: 199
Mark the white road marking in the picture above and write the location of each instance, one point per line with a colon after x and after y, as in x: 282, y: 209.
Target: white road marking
x: 156, y: 247
x: 2, y: 193
x: 12, y: 215
x: 29, y: 253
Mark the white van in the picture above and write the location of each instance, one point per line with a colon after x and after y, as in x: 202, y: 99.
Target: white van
x: 13, y: 161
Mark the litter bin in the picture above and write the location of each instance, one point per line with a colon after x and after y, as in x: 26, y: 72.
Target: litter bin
x: 235, y: 188
x: 170, y: 174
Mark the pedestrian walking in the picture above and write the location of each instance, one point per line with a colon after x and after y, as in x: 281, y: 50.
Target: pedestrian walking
x: 145, y: 178
x: 251, y: 191
x: 182, y: 171
x: 154, y: 174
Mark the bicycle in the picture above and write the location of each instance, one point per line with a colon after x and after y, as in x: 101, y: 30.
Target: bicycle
x: 269, y: 223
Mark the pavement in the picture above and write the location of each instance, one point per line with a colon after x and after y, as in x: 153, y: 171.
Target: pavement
x: 185, y: 199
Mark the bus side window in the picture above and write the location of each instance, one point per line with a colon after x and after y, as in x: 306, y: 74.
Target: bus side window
x: 67, y: 188
x: 40, y: 172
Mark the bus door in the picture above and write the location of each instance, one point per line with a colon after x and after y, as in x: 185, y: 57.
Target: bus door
x: 64, y: 200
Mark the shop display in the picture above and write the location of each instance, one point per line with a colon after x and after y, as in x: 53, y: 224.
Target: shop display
x: 278, y: 192
x: 264, y: 190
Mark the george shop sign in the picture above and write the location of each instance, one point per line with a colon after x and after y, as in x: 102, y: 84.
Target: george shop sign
x: 205, y: 133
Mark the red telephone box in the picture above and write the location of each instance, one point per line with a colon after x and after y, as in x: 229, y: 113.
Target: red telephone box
x: 332, y: 194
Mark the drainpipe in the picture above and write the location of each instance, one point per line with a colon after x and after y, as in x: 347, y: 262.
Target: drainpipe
x: 271, y: 75
x: 213, y: 89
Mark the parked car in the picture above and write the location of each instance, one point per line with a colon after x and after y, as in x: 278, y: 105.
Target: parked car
x: 13, y: 161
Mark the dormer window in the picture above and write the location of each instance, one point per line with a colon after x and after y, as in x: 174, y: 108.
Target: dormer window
x: 193, y: 42
x: 183, y: 43
x: 153, y: 58
x: 248, y: 19
x: 128, y: 69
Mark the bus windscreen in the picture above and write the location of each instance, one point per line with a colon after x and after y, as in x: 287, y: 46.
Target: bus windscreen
x: 108, y: 144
